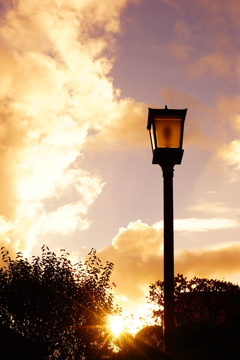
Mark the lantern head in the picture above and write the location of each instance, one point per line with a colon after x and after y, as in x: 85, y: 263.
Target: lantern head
x: 166, y: 133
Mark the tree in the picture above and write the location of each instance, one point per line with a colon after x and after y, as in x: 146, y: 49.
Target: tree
x: 199, y: 300
x: 151, y: 335
x: 51, y: 309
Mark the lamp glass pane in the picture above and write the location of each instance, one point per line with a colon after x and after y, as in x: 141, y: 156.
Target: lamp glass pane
x: 152, y: 139
x: 168, y: 132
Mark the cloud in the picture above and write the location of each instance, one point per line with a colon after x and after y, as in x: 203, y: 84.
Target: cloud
x: 132, y: 250
x: 125, y: 126
x: 179, y: 50
x: 219, y: 208
x: 181, y: 46
x: 227, y: 156
x: 229, y: 107
x: 220, y: 261
x: 58, y: 102
x: 65, y: 220
x: 230, y: 155
x: 213, y: 64
x: 201, y: 44
x: 4, y: 226
x: 203, y: 39
x: 199, y: 225
x: 55, y: 91
x: 137, y: 254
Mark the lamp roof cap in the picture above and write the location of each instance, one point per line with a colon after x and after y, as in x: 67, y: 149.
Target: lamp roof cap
x: 176, y: 113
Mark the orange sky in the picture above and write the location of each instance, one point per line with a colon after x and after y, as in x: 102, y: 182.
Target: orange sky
x: 77, y: 78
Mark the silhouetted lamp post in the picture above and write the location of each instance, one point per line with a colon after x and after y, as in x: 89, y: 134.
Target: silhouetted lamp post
x: 166, y: 133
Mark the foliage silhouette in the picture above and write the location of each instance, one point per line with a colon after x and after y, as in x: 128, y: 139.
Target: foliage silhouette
x: 199, y: 300
x: 151, y: 335
x: 51, y: 309
x: 207, y: 314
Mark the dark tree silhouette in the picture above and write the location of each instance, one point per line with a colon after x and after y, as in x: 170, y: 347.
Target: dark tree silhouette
x: 199, y: 300
x: 51, y: 309
x: 151, y: 335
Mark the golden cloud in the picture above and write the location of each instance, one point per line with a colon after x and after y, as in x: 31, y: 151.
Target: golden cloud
x: 199, y: 225
x: 220, y: 261
x: 132, y: 251
x: 137, y: 254
x: 54, y: 88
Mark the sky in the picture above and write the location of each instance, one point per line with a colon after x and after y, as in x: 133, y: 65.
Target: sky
x: 77, y: 78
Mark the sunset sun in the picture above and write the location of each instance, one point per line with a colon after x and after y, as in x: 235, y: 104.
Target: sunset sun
x: 129, y: 324
x: 116, y: 324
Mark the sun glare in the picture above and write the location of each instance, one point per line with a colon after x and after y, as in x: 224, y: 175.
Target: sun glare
x: 131, y: 323
x: 116, y: 324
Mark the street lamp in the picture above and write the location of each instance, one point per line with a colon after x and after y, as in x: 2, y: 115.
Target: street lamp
x: 166, y: 133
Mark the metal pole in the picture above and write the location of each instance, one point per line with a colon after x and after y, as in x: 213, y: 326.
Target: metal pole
x: 168, y: 255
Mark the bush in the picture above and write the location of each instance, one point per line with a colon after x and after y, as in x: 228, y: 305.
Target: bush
x: 51, y: 309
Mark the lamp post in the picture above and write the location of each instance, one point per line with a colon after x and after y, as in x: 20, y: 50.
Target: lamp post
x: 166, y: 133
